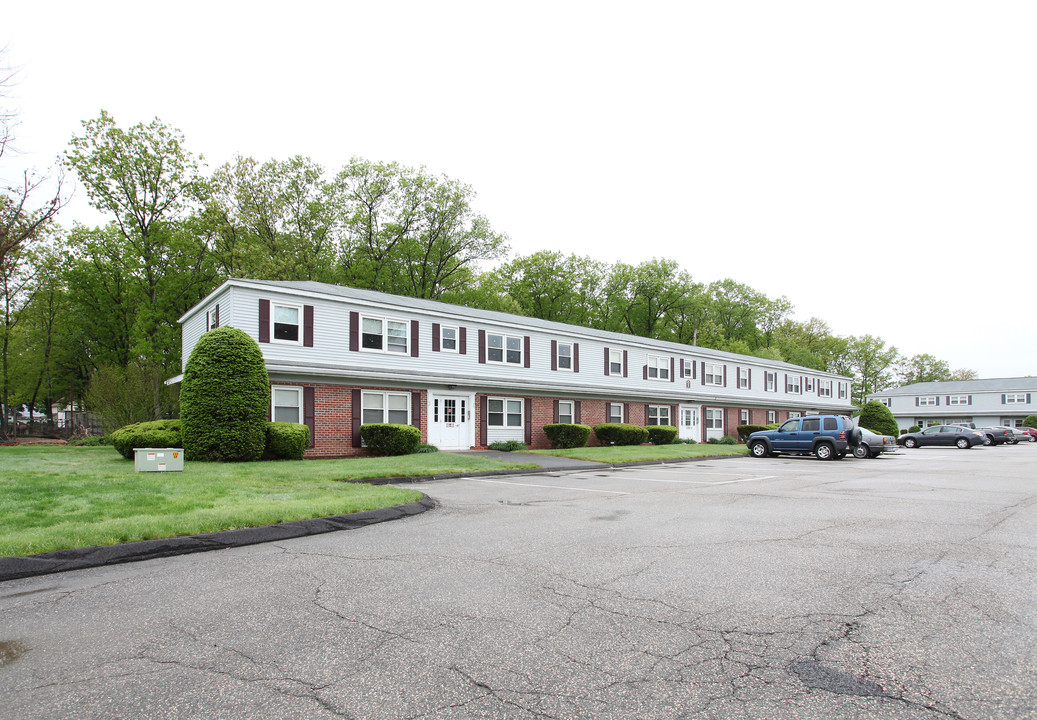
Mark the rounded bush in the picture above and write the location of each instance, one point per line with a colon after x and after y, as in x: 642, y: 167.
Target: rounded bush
x: 286, y: 441
x: 1030, y: 421
x: 877, y: 417
x: 620, y: 434
x: 567, y: 435
x: 225, y: 398
x: 390, y: 438
x: 661, y: 434
x: 153, y: 434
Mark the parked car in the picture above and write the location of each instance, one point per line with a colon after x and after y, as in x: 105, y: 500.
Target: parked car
x: 827, y: 437
x: 997, y: 435
x: 1032, y: 432
x: 872, y: 444
x: 946, y: 435
x: 1018, y: 435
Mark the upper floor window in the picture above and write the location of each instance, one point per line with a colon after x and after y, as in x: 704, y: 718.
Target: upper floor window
x: 824, y: 388
x: 687, y: 368
x: 1014, y: 398
x: 564, y: 356
x: 770, y: 381
x: 844, y: 390
x: 658, y: 415
x: 212, y: 318
x: 713, y: 374
x: 743, y: 378
x: 448, y: 339
x: 659, y: 368
x: 793, y: 384
x: 502, y: 412
x: 808, y: 385
x: 888, y: 402
x: 927, y: 401
x: 383, y: 334
x: 615, y: 362
x: 285, y: 320
x: 958, y: 400
x: 503, y: 349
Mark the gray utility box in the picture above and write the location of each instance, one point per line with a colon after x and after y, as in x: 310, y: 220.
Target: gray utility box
x: 158, y: 459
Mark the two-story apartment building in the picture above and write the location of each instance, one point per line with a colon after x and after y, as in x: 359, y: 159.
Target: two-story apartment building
x: 996, y: 401
x: 339, y: 357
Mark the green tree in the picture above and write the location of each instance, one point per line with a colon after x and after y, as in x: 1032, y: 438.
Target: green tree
x: 552, y: 286
x: 877, y: 417
x: 225, y: 398
x: 871, y: 365
x: 638, y: 299
x: 923, y: 368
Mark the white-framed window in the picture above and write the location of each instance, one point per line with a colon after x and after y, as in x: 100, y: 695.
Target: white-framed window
x: 743, y: 378
x: 285, y: 321
x: 384, y: 335
x: 503, y: 349
x: 844, y: 390
x: 448, y: 339
x: 714, y: 418
x: 689, y: 417
x: 615, y: 413
x: 658, y: 415
x: 1011, y: 422
x: 686, y: 367
x: 286, y: 404
x: 743, y: 417
x: 1015, y: 398
x: 564, y: 356
x: 385, y: 407
x: 888, y: 402
x: 927, y: 401
x: 770, y: 381
x: 615, y: 362
x: 809, y: 385
x: 212, y: 318
x: 957, y: 399
x: 658, y: 369
x: 824, y: 388
x: 795, y: 415
x: 504, y: 412
x: 793, y: 384
x: 566, y: 411
x: 713, y: 374
x: 772, y: 416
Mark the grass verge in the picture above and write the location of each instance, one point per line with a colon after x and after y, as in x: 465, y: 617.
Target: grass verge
x: 53, y: 498
x: 645, y: 453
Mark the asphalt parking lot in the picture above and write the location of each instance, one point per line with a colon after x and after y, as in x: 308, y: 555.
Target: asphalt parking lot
x: 902, y: 587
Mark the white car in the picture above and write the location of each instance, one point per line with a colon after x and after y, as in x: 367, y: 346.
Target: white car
x: 1018, y: 435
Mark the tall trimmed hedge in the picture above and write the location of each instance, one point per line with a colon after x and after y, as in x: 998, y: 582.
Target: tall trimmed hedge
x: 877, y: 417
x: 661, y: 434
x: 390, y: 438
x: 567, y: 435
x: 225, y: 398
x: 620, y: 434
x: 286, y: 441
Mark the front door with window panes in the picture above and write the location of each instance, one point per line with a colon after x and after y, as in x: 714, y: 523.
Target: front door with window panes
x: 688, y: 427
x: 451, y: 421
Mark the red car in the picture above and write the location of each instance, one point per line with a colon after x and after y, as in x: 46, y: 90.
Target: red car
x: 1032, y: 432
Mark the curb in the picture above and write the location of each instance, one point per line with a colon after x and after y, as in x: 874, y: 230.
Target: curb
x: 13, y: 568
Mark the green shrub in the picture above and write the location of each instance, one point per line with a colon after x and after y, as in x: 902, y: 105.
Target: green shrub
x: 88, y: 441
x: 390, y: 438
x: 686, y: 441
x: 914, y: 428
x: 729, y: 440
x: 225, y: 398
x: 661, y: 434
x: 507, y: 446
x: 153, y: 434
x: 1030, y: 421
x: 424, y: 448
x: 744, y: 431
x: 567, y: 435
x: 286, y: 441
x: 620, y: 434
x: 877, y: 417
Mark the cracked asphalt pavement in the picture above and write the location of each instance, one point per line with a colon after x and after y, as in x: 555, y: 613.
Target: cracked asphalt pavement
x: 902, y: 588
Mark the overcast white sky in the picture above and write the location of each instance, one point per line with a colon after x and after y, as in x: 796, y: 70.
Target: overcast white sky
x: 874, y: 162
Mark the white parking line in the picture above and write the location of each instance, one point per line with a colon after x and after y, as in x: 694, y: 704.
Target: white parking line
x: 549, y: 487
x: 706, y: 482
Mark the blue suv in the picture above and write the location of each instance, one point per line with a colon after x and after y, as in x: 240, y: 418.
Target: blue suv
x: 826, y: 437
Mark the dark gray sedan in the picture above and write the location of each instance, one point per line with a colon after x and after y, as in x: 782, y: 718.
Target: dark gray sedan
x: 872, y: 444
x: 948, y: 435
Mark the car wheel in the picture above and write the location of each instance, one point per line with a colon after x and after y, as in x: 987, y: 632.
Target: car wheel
x: 824, y: 451
x: 910, y: 443
x: 861, y: 451
x: 988, y: 441
x: 1033, y: 438
x: 963, y: 443
x: 759, y: 449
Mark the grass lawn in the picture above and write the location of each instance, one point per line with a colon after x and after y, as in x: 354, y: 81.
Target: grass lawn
x: 57, y: 497
x: 642, y: 453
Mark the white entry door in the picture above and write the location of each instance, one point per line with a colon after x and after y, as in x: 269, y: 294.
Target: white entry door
x: 451, y: 421
x: 689, y: 427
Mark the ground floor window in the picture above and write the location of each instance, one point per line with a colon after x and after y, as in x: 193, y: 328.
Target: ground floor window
x: 658, y: 415
x: 502, y: 412
x: 772, y: 417
x: 743, y: 417
x: 286, y: 404
x: 615, y: 413
x: 566, y: 411
x: 714, y: 418
x: 385, y: 407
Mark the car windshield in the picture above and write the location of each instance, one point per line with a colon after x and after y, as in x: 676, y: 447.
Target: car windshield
x: 868, y: 433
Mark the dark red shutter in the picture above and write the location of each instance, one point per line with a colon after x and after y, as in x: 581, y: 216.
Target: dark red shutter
x: 462, y: 341
x: 357, y: 417
x: 556, y: 411
x: 264, y: 321
x: 576, y: 412
x: 644, y: 371
x: 435, y: 337
x: 483, y: 420
x: 703, y: 372
x: 626, y: 413
x: 308, y: 412
x: 673, y: 376
x: 554, y: 366
x: 725, y: 376
x: 482, y: 348
x: 415, y: 409
x: 576, y: 357
x: 414, y: 338
x: 673, y: 415
x: 625, y: 356
x: 307, y: 325
x: 354, y: 332
x: 525, y: 350
x: 216, y: 317
x: 529, y: 419
x: 606, y: 361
